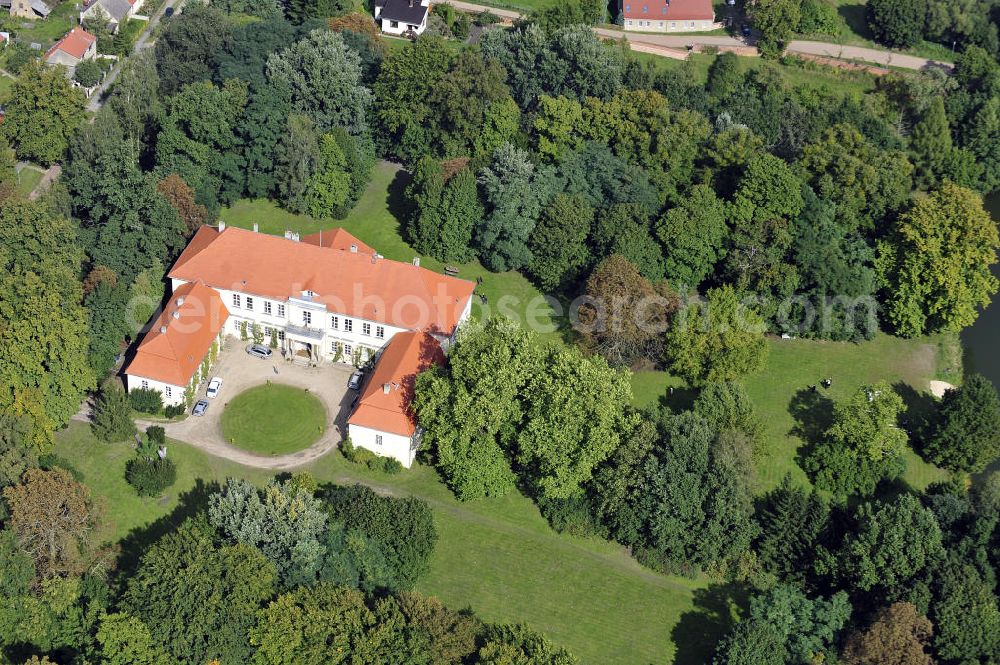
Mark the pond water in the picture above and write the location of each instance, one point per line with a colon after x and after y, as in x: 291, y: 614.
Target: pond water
x: 981, y: 340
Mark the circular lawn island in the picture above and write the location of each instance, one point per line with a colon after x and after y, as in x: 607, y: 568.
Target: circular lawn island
x: 273, y: 419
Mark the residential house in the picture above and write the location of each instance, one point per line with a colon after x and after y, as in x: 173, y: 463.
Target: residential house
x: 78, y: 45
x: 115, y: 11
x: 326, y: 297
x: 26, y: 8
x: 402, y: 17
x: 383, y: 420
x: 668, y: 15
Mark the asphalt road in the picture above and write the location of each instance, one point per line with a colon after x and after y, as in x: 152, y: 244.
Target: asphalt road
x: 97, y: 99
x: 680, y: 41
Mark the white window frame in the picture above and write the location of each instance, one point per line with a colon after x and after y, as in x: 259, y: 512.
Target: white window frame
x: 144, y: 384
x: 267, y: 307
x: 335, y: 322
x: 378, y: 439
x: 281, y: 335
x: 167, y: 391
x: 281, y: 310
x: 307, y: 317
x: 237, y: 300
x: 366, y: 329
x: 249, y: 303
x: 348, y: 350
x: 348, y: 325
x: 380, y: 332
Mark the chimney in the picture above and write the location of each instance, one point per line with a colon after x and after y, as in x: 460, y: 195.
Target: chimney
x: 354, y: 249
x: 222, y: 226
x: 176, y: 314
x: 163, y: 330
x: 385, y: 388
x: 288, y: 234
x: 416, y: 261
x: 374, y: 258
x: 180, y: 301
x: 255, y: 227
x: 295, y: 237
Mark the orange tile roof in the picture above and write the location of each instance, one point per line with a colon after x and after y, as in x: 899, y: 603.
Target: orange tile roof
x: 337, y: 239
x: 355, y: 284
x: 191, y: 326
x: 75, y: 43
x: 406, y: 355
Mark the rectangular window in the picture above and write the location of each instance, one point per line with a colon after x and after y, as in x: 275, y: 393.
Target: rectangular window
x: 145, y: 384
x: 380, y: 332
x: 167, y: 392
x: 250, y: 303
x: 335, y: 322
x: 393, y: 24
x: 267, y: 307
x: 348, y: 350
x: 378, y: 439
x: 366, y: 329
x: 334, y: 346
x: 348, y: 325
x: 281, y: 310
x: 268, y: 330
x: 237, y: 301
x: 281, y: 335
x: 307, y: 318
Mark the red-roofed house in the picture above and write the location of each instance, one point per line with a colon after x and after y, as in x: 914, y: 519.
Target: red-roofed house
x: 326, y: 297
x: 383, y: 420
x: 668, y: 15
x: 178, y: 341
x: 78, y: 45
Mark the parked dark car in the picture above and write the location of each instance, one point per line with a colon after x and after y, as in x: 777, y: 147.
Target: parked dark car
x: 200, y: 407
x: 745, y: 29
x: 259, y: 351
x: 168, y: 12
x: 355, y: 381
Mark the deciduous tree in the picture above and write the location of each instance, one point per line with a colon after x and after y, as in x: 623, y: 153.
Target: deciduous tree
x: 937, y: 266
x: 52, y: 516
x: 43, y: 111
x: 720, y: 339
x: 898, y: 635
x: 968, y: 434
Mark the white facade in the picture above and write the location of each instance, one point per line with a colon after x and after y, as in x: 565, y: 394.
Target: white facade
x: 392, y: 25
x: 172, y: 395
x: 301, y: 325
x: 654, y: 25
x: 385, y: 444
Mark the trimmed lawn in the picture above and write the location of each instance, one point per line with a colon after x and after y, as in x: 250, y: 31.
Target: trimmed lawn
x: 375, y: 220
x: 6, y: 83
x: 792, y: 367
x: 273, y: 419
x: 497, y: 556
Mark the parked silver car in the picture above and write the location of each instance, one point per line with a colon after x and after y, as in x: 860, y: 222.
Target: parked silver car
x: 200, y: 407
x: 259, y: 351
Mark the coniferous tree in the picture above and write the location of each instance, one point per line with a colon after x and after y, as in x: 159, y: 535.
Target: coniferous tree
x: 112, y: 420
x: 791, y: 520
x: 460, y: 213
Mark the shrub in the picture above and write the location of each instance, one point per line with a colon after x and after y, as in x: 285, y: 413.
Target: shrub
x: 146, y: 400
x: 157, y: 435
x: 52, y: 461
x: 572, y: 515
x: 486, y: 18
x: 88, y: 73
x: 174, y: 410
x: 365, y: 457
x: 150, y: 477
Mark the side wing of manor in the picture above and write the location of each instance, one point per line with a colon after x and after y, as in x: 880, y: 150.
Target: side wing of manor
x: 326, y: 297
